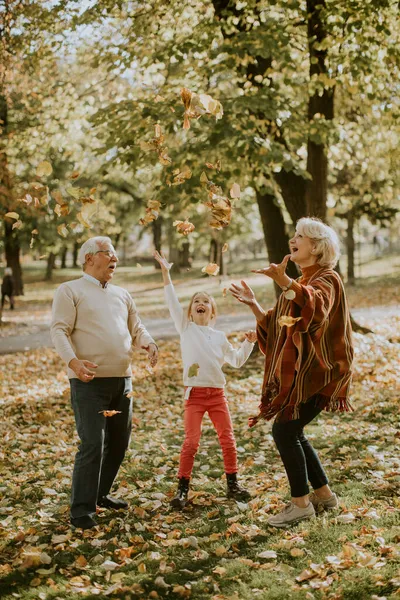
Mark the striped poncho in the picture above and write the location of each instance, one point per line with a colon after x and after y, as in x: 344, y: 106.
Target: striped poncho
x: 312, y: 357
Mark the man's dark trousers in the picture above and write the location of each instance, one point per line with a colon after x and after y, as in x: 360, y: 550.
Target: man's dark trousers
x: 104, y: 440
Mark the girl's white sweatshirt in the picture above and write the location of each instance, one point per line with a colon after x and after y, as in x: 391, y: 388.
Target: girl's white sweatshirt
x: 203, y: 346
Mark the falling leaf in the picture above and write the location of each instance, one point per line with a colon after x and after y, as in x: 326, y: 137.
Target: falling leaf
x: 290, y: 294
x: 180, y: 176
x: 44, y: 169
x: 34, y: 232
x: 17, y: 225
x: 193, y: 370
x: 74, y: 175
x: 211, y: 269
x: 197, y: 105
x: 287, y: 321
x: 62, y: 230
x: 225, y: 247
x: 235, y: 191
x: 224, y: 291
x: 216, y: 166
x: 12, y: 215
x: 83, y: 221
x: 203, y: 178
x: 157, y: 131
x: 110, y: 413
x: 183, y: 227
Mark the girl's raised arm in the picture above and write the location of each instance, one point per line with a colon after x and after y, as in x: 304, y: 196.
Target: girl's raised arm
x: 175, y: 309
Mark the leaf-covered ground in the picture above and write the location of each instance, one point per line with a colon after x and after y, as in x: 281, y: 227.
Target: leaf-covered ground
x: 216, y: 548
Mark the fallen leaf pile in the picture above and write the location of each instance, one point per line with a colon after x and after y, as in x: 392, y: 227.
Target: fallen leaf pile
x: 216, y: 548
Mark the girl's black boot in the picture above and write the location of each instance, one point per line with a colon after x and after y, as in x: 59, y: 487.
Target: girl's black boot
x: 234, y: 490
x: 180, y: 500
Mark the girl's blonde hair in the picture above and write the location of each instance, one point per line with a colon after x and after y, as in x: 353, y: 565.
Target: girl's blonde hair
x: 212, y: 302
x: 327, y: 246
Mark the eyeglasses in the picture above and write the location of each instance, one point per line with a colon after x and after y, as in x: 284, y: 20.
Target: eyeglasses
x: 110, y: 253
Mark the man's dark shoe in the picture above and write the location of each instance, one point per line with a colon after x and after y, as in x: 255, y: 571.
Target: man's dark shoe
x: 180, y: 500
x: 84, y: 522
x: 115, y: 503
x: 234, y: 490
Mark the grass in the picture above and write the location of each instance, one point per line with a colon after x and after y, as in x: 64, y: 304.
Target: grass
x: 210, y: 550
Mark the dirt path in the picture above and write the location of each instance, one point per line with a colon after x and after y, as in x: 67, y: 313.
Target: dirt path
x: 164, y: 329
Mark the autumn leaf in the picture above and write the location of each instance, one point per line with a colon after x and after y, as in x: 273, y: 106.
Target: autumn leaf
x: 235, y: 191
x: 290, y: 294
x: 197, y: 105
x: 44, y: 169
x: 287, y: 321
x: 74, y: 175
x: 183, y: 227
x: 225, y: 247
x: 12, y: 215
x: 211, y: 269
x: 17, y: 225
x: 216, y: 166
x: 62, y: 230
x: 109, y: 413
x: 83, y: 221
x: 193, y: 370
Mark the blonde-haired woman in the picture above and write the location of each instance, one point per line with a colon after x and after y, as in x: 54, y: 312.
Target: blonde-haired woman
x: 306, y: 340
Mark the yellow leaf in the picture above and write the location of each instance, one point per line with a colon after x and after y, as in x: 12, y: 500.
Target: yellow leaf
x: 235, y: 191
x: 183, y: 227
x: 297, y: 552
x: 12, y: 215
x: 110, y: 413
x: 44, y: 169
x: 17, y: 225
x: 142, y: 568
x: 62, y: 230
x: 220, y: 550
x: 211, y: 269
x: 224, y: 248
x: 82, y: 221
x: 287, y: 321
x: 193, y: 370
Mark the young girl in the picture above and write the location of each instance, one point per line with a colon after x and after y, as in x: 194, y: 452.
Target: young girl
x: 204, y: 351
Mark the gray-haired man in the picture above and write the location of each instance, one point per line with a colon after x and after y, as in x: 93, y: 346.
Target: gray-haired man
x: 94, y: 326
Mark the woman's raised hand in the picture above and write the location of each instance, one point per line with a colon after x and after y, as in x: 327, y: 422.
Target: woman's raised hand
x: 160, y: 258
x: 243, y: 293
x: 251, y: 336
x: 276, y: 272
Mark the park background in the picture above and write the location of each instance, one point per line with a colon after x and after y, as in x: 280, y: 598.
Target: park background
x: 291, y: 109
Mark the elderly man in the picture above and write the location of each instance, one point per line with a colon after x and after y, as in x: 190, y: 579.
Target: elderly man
x: 94, y: 326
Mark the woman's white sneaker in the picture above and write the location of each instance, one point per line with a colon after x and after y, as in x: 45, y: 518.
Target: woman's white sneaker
x: 292, y: 514
x: 324, y: 504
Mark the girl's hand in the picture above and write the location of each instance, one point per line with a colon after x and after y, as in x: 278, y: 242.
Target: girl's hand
x: 160, y: 258
x: 276, y: 272
x: 251, y: 336
x: 243, y: 293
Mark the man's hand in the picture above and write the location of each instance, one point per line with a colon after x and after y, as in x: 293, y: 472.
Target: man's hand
x: 83, y: 369
x: 276, y: 272
x: 251, y: 336
x: 152, y: 351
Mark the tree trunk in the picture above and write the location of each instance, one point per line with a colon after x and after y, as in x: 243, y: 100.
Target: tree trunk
x: 75, y: 251
x: 317, y: 161
x: 51, y: 260
x: 11, y: 241
x: 293, y: 188
x: 276, y: 238
x: 64, y: 257
x: 350, y: 247
x: 157, y: 235
x: 12, y: 252
x: 185, y: 255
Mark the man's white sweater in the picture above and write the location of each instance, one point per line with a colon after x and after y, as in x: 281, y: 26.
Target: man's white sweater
x: 99, y: 324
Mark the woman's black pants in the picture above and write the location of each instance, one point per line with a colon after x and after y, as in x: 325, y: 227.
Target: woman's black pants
x: 299, y: 458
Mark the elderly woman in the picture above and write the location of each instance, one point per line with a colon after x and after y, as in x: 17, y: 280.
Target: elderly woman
x: 306, y: 340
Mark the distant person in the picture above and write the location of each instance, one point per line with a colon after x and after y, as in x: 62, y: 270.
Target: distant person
x: 204, y: 351
x: 307, y: 342
x: 94, y: 326
x: 7, y: 288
